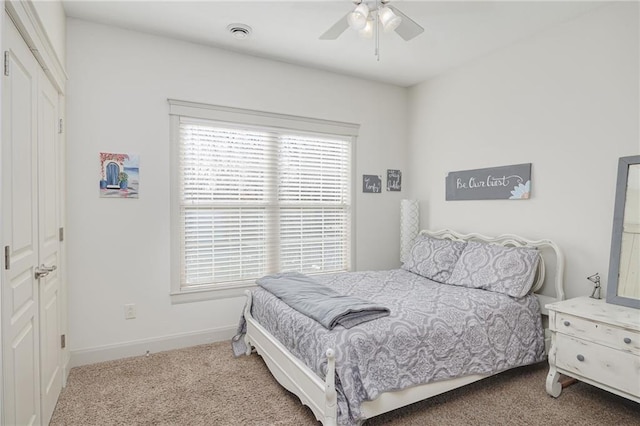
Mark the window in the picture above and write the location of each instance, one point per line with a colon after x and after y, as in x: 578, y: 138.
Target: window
x: 254, y: 199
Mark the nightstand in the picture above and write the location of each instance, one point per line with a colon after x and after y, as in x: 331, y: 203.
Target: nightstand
x: 595, y: 342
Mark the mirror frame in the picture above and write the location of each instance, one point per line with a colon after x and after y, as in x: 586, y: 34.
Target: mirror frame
x: 616, y: 235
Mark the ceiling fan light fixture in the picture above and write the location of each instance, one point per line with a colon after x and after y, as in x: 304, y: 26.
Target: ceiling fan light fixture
x: 389, y: 20
x: 368, y: 16
x: 358, y: 18
x: 367, y: 31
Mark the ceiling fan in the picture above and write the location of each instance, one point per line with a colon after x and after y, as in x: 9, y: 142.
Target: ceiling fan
x: 369, y: 15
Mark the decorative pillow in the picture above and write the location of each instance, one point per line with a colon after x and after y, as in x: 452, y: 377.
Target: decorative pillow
x: 508, y: 270
x: 433, y: 258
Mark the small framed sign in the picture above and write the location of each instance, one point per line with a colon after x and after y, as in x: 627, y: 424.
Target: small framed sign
x: 394, y: 180
x: 494, y: 183
x: 372, y: 183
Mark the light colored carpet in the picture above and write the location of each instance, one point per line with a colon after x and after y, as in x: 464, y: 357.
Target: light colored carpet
x: 206, y: 385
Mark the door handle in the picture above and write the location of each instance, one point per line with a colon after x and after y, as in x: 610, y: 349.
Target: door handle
x: 43, y: 271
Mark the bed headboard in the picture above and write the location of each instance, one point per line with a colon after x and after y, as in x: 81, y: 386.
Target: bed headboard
x: 549, y: 253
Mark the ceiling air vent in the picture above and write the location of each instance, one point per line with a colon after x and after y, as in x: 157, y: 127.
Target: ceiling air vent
x: 239, y: 31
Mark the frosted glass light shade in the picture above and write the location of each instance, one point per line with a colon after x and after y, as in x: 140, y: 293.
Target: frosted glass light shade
x: 409, y: 226
x: 388, y: 19
x: 358, y: 18
x: 367, y: 31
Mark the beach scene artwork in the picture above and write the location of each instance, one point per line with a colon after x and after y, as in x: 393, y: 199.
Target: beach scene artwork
x: 119, y: 175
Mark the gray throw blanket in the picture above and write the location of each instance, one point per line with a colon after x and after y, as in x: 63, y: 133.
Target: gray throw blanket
x: 238, y: 344
x: 317, y: 301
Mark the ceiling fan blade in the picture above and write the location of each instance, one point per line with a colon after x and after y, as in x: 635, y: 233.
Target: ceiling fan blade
x: 337, y: 29
x: 408, y: 28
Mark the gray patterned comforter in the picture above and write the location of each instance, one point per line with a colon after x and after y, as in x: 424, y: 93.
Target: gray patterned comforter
x: 435, y: 332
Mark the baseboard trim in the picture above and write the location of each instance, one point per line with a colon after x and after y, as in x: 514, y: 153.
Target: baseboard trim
x: 157, y: 344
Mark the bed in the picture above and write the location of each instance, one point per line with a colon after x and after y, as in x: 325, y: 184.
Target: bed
x: 438, y: 336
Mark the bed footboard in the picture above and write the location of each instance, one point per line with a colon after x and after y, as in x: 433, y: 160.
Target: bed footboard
x: 319, y: 395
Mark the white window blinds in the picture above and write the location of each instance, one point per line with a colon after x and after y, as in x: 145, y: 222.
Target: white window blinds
x: 260, y: 200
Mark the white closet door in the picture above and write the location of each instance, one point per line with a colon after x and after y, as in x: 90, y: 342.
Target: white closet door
x: 32, y: 356
x: 20, y: 293
x: 49, y: 246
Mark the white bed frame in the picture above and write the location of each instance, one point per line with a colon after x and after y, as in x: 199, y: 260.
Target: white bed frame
x: 320, y: 395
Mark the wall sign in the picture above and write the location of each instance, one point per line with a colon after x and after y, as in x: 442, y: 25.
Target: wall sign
x: 494, y: 183
x: 372, y: 183
x: 394, y: 180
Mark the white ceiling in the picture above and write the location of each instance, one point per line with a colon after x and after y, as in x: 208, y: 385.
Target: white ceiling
x: 455, y: 31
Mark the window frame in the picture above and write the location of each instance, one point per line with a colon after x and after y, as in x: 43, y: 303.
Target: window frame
x: 252, y: 118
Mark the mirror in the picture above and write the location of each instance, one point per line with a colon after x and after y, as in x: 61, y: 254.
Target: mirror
x: 623, y: 286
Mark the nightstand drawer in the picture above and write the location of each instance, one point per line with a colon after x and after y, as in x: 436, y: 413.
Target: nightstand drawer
x: 615, y: 337
x: 618, y: 369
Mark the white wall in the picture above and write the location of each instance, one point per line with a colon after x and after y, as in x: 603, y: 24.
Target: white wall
x: 565, y: 100
x: 118, y: 249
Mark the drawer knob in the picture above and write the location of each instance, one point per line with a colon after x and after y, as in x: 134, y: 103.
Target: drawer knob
x: 580, y: 357
x: 567, y: 323
x: 627, y: 340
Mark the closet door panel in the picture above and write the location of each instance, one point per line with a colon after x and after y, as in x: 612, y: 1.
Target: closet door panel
x: 49, y: 246
x: 20, y: 293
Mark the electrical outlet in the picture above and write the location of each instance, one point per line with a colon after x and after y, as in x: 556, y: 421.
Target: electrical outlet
x: 129, y: 311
